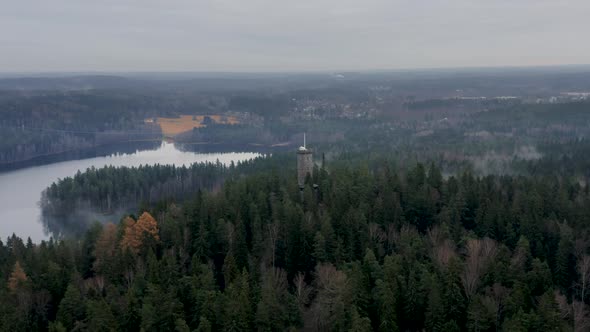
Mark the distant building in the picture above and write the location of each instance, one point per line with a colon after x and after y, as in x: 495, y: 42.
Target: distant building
x: 304, y: 163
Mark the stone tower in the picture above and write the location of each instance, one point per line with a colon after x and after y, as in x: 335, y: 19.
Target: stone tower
x: 304, y: 163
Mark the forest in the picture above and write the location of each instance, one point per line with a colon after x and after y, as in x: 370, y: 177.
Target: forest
x: 374, y: 247
x: 71, y: 204
x: 51, y: 122
x: 426, y: 113
x: 425, y: 212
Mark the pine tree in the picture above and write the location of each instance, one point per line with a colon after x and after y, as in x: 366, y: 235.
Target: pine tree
x: 563, y: 263
x: 517, y: 323
x: 160, y: 310
x: 482, y: 313
x: 387, y: 303
x: 435, y: 314
x: 204, y: 325
x: 415, y: 295
x: 56, y: 327
x: 358, y: 323
x: 181, y: 326
x: 272, y: 312
x: 547, y: 314
x: 72, y: 308
x: 230, y: 269
x: 453, y: 299
x: 319, y: 248
x: 237, y: 309
x: 100, y: 317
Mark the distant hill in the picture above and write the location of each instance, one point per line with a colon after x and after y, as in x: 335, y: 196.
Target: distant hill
x: 69, y: 83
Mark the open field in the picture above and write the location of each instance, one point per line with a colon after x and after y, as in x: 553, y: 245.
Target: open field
x: 174, y: 126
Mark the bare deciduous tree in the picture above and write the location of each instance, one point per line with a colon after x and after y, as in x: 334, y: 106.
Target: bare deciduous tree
x: 444, y: 252
x: 480, y: 252
x: 435, y: 236
x: 377, y: 235
x: 302, y: 290
x: 581, y: 316
x: 331, y: 285
x: 565, y: 309
x: 96, y: 283
x: 499, y: 293
x: 277, y: 278
x: 518, y: 260
x: 442, y: 248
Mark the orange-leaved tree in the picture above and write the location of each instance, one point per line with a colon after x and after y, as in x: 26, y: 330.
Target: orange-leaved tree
x: 17, y: 277
x: 136, y: 233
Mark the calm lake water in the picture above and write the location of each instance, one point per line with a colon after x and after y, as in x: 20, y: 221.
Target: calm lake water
x: 20, y: 190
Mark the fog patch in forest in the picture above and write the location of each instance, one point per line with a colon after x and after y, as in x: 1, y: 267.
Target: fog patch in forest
x: 493, y: 162
x: 79, y: 220
x: 528, y: 152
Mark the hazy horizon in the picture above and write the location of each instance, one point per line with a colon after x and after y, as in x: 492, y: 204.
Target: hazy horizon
x: 205, y: 73
x: 271, y: 36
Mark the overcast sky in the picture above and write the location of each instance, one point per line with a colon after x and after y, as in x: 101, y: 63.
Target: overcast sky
x: 277, y: 35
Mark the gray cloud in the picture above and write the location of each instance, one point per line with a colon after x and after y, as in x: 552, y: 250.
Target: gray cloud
x: 128, y: 35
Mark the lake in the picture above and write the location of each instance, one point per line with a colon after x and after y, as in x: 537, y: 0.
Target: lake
x: 20, y: 190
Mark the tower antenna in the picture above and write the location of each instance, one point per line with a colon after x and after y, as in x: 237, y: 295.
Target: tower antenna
x: 304, y: 141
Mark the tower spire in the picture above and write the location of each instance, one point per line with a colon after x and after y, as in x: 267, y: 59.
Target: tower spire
x: 304, y: 162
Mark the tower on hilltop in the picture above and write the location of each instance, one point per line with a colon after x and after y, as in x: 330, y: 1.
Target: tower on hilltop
x: 304, y: 163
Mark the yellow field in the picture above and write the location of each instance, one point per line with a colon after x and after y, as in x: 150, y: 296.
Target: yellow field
x: 174, y: 126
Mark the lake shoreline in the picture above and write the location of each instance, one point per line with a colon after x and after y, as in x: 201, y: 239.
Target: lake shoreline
x: 113, y: 148
x: 20, y: 189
